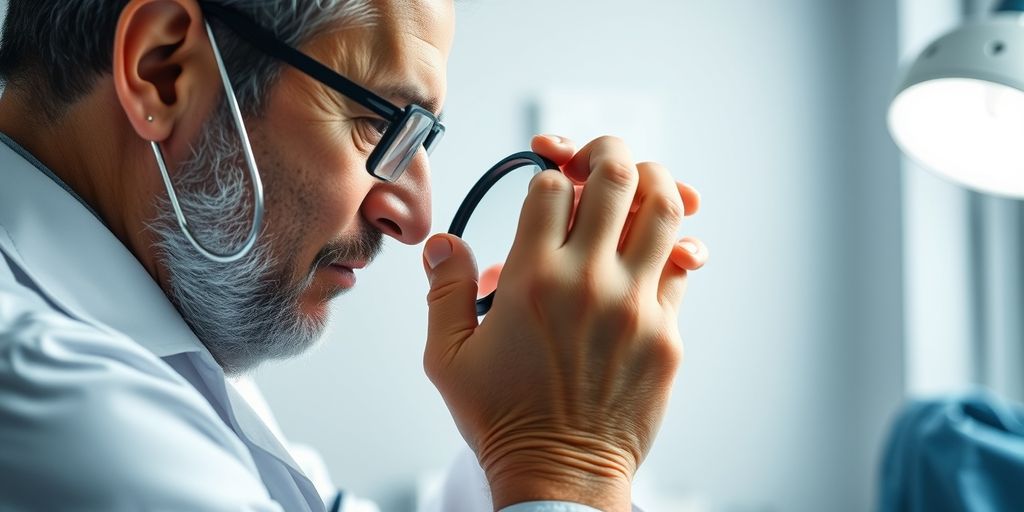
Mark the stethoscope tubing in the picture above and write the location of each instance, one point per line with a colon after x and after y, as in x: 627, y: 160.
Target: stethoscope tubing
x: 254, y: 175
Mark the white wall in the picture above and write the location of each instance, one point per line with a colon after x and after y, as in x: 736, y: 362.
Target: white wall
x: 792, y: 331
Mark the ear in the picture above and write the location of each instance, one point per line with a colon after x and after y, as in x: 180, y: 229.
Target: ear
x: 163, y: 67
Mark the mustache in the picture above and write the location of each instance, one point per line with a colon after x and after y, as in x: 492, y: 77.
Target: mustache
x: 364, y: 246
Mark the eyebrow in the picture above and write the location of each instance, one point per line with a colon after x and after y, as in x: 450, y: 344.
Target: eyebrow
x: 411, y: 94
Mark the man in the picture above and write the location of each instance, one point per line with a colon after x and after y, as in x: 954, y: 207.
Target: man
x: 142, y: 262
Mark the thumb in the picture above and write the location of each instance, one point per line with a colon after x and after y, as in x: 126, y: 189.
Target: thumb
x: 452, y: 272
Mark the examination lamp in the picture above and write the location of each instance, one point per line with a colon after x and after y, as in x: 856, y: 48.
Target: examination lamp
x: 959, y: 109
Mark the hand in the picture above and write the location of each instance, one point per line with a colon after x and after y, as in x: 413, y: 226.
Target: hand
x: 560, y: 390
x: 689, y: 253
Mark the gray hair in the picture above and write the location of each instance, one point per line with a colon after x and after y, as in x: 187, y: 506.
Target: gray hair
x: 245, y: 313
x: 59, y: 48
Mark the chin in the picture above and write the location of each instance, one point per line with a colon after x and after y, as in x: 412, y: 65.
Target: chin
x: 316, y: 307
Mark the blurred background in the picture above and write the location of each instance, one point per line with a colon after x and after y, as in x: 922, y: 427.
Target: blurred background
x: 843, y: 279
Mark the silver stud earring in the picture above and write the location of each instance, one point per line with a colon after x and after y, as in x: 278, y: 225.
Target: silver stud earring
x: 149, y: 119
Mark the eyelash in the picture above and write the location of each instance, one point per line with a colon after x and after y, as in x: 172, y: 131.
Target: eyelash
x: 375, y: 128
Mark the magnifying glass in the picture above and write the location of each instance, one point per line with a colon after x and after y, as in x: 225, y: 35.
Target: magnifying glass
x: 487, y: 221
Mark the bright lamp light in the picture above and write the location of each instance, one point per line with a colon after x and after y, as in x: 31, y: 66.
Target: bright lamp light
x: 960, y: 106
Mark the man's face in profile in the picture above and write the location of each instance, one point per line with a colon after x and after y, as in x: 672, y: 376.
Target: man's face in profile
x: 326, y: 216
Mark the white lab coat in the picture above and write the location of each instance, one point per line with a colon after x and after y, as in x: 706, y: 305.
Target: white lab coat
x: 108, y: 401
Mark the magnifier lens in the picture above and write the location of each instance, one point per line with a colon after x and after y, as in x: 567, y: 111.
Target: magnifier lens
x: 492, y: 227
x: 489, y: 217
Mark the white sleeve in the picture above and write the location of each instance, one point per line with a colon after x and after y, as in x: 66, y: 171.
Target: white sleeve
x: 548, y: 506
x: 90, y: 420
x: 553, y: 506
x: 465, y: 489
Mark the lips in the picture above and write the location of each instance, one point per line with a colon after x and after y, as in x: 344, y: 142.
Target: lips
x: 351, y: 265
x: 342, y: 276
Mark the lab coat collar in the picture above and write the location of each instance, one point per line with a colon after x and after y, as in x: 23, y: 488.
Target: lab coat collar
x: 79, y: 264
x: 83, y: 269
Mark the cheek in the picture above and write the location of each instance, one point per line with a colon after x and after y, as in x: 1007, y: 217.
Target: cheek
x: 334, y: 193
x: 330, y: 176
x: 315, y: 170
x: 315, y: 184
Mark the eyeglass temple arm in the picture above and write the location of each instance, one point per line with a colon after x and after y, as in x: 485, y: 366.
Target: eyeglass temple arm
x: 267, y: 42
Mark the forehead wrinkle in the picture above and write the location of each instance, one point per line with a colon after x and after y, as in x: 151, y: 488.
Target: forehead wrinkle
x: 417, y: 35
x: 394, y: 57
x: 407, y: 93
x: 347, y: 52
x: 414, y: 76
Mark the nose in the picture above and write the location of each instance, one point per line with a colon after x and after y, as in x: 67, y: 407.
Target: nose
x: 401, y: 209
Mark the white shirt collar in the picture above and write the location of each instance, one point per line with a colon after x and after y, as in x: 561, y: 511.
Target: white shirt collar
x: 78, y: 263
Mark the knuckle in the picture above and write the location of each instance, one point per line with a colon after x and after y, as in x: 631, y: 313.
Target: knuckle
x: 666, y: 351
x: 616, y: 172
x: 441, y: 291
x: 668, y: 207
x: 551, y: 182
x: 669, y: 353
x: 653, y: 168
x: 431, y: 367
x: 610, y: 140
x: 615, y: 298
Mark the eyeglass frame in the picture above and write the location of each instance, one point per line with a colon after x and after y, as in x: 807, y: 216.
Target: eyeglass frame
x: 397, y: 117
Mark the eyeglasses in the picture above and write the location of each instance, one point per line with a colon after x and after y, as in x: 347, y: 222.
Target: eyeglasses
x: 407, y: 128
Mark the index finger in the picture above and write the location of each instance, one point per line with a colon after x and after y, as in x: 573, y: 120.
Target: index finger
x: 556, y: 148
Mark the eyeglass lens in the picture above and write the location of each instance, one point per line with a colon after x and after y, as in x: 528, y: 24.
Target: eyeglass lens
x: 403, y: 147
x: 434, y: 139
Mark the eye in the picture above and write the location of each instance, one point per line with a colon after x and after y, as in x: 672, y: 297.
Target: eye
x: 373, y: 128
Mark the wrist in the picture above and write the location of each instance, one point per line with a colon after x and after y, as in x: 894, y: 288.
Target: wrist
x: 563, y: 474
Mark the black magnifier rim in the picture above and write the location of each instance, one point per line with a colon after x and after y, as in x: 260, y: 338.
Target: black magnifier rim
x: 477, y: 193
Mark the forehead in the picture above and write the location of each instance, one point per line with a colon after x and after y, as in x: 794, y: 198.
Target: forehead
x: 403, y: 56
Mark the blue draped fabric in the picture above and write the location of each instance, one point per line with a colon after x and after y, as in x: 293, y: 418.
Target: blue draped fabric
x: 955, y: 454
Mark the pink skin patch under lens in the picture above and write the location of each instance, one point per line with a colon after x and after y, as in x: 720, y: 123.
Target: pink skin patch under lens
x: 489, y: 280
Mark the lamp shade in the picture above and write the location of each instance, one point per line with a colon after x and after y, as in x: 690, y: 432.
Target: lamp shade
x: 959, y: 109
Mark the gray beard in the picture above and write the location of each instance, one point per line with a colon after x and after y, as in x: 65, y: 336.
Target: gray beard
x: 245, y: 312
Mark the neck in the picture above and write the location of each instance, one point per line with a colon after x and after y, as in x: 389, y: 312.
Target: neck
x: 93, y: 150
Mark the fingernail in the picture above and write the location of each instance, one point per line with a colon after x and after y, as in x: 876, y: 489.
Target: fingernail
x: 690, y: 247
x: 554, y: 138
x: 438, y: 250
